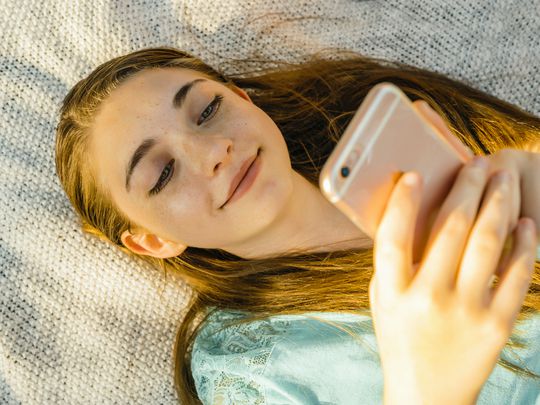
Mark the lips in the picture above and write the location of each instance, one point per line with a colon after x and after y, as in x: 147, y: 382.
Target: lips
x: 239, y: 177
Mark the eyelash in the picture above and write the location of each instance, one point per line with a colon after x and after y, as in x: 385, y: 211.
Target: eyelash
x: 168, y: 171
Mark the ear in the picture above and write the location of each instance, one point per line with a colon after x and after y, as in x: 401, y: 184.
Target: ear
x: 241, y: 93
x: 151, y: 245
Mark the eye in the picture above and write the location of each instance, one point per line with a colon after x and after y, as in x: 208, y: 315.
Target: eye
x: 168, y: 171
x: 166, y: 175
x: 212, y: 107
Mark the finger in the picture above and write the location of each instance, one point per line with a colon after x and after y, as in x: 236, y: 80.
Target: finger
x: 485, y: 242
x: 392, y: 248
x: 508, y: 159
x: 530, y: 173
x: 506, y: 253
x: 451, y: 229
x: 507, y: 297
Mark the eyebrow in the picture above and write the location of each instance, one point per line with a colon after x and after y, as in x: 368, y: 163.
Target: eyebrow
x: 147, y: 144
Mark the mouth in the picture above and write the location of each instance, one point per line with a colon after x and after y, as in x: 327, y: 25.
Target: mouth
x: 238, y: 186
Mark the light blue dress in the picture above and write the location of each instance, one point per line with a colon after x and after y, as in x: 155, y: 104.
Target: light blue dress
x: 298, y: 359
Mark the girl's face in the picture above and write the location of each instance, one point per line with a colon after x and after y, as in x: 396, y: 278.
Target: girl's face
x: 194, y: 140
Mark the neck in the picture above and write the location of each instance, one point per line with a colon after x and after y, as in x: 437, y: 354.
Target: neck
x: 309, y: 222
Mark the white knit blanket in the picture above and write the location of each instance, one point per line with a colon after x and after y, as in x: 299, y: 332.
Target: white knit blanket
x: 80, y: 322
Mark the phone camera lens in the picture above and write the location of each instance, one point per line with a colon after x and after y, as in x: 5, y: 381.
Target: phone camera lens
x: 345, y: 171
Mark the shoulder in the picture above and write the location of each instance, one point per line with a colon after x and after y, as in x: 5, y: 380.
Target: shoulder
x: 228, y: 356
x: 247, y: 362
x: 229, y: 332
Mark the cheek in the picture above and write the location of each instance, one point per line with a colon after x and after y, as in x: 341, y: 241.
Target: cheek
x: 184, y: 215
x: 269, y: 194
x: 176, y: 208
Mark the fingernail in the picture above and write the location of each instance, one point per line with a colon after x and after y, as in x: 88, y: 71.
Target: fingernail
x: 410, y: 179
x: 480, y: 161
x: 527, y: 224
x: 502, y: 176
x: 425, y: 106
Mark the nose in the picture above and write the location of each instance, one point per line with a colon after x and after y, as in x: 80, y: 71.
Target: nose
x: 211, y: 155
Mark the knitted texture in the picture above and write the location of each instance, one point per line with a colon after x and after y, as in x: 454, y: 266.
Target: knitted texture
x: 80, y: 321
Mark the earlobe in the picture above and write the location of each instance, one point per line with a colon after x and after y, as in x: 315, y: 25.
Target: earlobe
x: 151, y: 245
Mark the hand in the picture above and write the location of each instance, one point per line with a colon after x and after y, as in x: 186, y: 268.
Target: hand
x: 439, y: 324
x: 523, y: 165
x: 525, y: 168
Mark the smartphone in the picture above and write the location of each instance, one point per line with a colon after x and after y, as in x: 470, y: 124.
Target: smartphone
x: 385, y: 138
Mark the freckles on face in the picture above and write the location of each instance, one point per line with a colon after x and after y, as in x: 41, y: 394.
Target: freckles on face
x: 186, y: 218
x: 207, y: 148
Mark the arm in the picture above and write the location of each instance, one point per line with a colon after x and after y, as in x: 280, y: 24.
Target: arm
x: 439, y: 337
x: 405, y: 383
x: 523, y: 163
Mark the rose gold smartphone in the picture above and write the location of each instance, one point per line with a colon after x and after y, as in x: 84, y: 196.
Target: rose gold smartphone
x: 385, y: 138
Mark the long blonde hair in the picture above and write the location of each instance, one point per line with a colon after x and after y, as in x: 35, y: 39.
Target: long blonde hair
x: 311, y: 102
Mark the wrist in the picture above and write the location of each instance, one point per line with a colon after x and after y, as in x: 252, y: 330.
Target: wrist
x: 406, y: 395
x: 399, y: 399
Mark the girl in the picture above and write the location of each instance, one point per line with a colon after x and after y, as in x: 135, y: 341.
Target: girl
x: 150, y: 149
